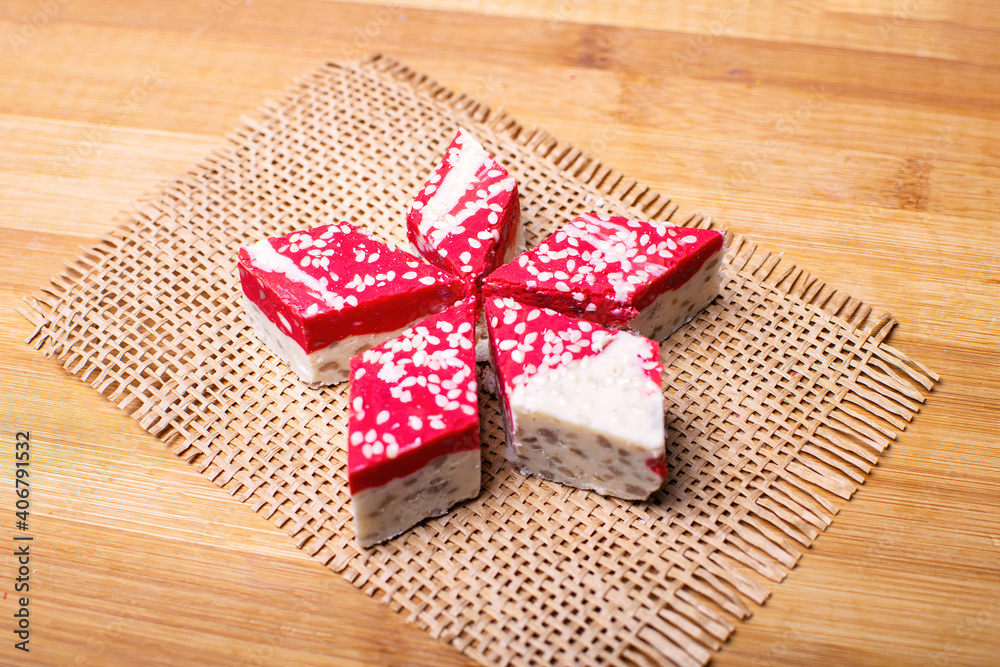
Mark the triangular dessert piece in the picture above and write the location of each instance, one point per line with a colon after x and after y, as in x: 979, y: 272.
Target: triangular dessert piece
x: 413, y: 436
x: 467, y: 217
x: 319, y: 296
x: 582, y: 405
x: 648, y: 277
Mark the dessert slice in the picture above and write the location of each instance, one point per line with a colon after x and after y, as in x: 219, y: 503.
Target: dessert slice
x: 467, y: 217
x: 413, y: 433
x: 648, y: 277
x: 582, y: 405
x: 318, y: 297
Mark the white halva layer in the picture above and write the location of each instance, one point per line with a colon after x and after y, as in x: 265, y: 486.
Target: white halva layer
x: 592, y: 423
x: 328, y: 365
x: 675, y: 308
x: 382, y: 512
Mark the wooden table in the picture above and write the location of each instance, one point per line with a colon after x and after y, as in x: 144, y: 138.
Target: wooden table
x: 859, y: 137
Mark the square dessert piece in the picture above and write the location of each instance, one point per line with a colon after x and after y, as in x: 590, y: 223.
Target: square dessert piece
x: 582, y: 405
x: 318, y: 297
x: 413, y: 437
x: 648, y: 277
x: 467, y: 217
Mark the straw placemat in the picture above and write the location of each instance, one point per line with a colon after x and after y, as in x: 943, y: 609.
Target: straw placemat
x: 779, y: 397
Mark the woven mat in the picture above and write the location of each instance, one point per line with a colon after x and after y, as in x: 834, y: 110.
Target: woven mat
x: 779, y: 397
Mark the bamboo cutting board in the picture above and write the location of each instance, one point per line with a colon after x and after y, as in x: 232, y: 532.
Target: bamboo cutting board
x: 872, y: 167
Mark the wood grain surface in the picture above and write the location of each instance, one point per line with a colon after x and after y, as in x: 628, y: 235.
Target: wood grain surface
x: 862, y: 138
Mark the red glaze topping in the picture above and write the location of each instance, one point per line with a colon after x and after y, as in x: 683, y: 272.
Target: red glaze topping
x: 414, y: 399
x: 466, y: 216
x: 325, y: 284
x: 604, y: 269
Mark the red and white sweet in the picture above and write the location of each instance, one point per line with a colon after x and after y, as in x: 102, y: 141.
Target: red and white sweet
x: 318, y: 297
x: 467, y: 217
x: 413, y: 432
x: 648, y: 277
x: 582, y: 405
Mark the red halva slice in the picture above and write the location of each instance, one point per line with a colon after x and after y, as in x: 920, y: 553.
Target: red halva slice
x: 582, y: 404
x: 317, y: 297
x: 467, y: 218
x: 648, y: 277
x: 413, y: 436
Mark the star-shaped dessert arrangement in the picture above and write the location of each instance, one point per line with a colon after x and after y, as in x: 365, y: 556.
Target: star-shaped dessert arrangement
x: 572, y: 330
